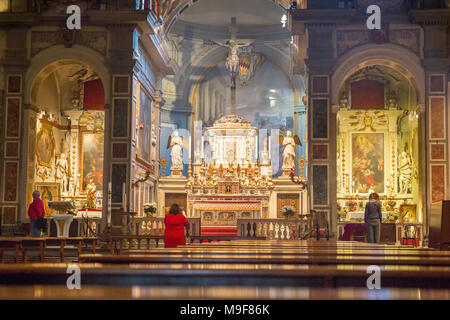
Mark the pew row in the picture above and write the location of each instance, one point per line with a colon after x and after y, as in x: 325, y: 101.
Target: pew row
x: 21, y: 245
x: 236, y: 258
x: 93, y: 292
x: 266, y: 275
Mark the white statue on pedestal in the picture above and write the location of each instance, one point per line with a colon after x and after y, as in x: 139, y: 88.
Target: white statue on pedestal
x: 176, y: 154
x: 62, y: 171
x: 404, y: 173
x: 289, y: 143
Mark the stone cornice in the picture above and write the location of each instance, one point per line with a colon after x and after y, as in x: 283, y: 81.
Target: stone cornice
x: 323, y: 16
x: 430, y: 17
x: 90, y: 17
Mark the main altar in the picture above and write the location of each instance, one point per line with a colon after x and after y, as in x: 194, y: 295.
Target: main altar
x: 230, y: 177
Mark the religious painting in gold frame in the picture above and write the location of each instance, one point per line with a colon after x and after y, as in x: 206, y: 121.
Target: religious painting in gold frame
x: 45, y: 145
x: 49, y: 192
x: 408, y: 213
x: 91, y: 164
x: 368, y: 162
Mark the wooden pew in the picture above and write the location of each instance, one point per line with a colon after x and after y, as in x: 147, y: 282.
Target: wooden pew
x: 209, y: 239
x: 33, y: 243
x: 75, y: 241
x: 304, y: 243
x: 290, y: 251
x: 236, y: 258
x: 7, y: 243
x: 25, y: 244
x: 93, y: 292
x: 207, y: 275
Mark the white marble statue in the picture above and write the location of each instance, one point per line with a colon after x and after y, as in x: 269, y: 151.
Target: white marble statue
x: 289, y: 143
x: 404, y: 173
x: 62, y: 171
x: 176, y: 154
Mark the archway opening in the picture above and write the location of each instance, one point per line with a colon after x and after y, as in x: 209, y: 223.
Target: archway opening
x: 66, y: 140
x: 378, y: 134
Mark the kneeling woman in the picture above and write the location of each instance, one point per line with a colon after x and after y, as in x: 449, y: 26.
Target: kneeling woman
x: 175, y: 223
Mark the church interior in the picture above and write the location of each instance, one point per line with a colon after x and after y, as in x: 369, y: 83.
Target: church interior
x: 302, y: 143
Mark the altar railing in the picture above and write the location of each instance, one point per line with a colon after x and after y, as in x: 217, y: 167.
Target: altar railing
x: 280, y: 229
x: 155, y: 226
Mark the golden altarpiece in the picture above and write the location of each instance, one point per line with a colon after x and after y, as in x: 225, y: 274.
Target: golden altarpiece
x: 235, y: 181
x: 377, y: 151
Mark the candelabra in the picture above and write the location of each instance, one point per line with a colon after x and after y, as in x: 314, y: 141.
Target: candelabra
x: 147, y: 176
x: 298, y: 180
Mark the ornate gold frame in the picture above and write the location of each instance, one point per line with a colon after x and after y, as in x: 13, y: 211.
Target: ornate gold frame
x: 81, y: 153
x: 40, y: 185
x: 45, y: 127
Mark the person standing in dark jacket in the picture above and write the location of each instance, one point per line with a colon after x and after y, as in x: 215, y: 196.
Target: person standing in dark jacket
x: 372, y: 218
x: 36, y: 211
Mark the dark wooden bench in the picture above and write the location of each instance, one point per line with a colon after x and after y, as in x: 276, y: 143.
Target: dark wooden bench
x: 209, y: 239
x: 225, y: 275
x: 25, y: 244
x: 237, y: 258
x: 289, y: 251
x: 10, y: 243
x: 95, y: 292
x: 78, y: 242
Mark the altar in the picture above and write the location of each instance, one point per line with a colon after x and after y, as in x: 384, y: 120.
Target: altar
x: 230, y: 177
x: 224, y: 211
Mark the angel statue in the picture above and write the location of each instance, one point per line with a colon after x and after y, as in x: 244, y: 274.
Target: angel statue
x: 176, y: 154
x: 289, y: 143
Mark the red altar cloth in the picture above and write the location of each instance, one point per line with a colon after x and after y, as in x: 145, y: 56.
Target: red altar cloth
x: 357, y: 229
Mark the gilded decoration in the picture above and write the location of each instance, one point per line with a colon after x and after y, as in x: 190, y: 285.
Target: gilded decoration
x: 45, y: 145
x: 367, y: 157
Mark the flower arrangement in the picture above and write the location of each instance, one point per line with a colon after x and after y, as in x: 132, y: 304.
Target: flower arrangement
x: 390, y: 205
x: 149, y: 209
x: 392, y: 215
x: 288, y: 211
x: 352, y: 205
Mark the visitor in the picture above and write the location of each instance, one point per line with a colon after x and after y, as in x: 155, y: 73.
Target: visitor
x: 175, y: 223
x: 372, y: 218
x: 35, y: 212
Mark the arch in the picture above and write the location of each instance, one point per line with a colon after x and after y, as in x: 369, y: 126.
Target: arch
x: 80, y: 53
x: 276, y: 58
x: 183, y: 5
x: 399, y: 58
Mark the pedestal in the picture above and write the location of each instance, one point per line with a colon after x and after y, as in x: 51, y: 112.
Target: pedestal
x: 286, y: 173
x: 63, y: 222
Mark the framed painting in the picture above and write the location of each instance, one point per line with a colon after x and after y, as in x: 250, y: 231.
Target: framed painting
x: 368, y: 162
x: 45, y: 145
x: 408, y: 213
x: 49, y: 192
x: 92, y: 160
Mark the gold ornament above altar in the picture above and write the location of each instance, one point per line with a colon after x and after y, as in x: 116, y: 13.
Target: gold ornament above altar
x: 234, y: 167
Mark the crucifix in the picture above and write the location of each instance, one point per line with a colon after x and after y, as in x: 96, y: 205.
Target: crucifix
x: 232, y: 62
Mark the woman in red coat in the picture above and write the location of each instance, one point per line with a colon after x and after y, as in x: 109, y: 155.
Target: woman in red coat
x: 175, y: 223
